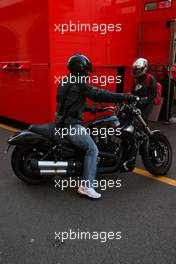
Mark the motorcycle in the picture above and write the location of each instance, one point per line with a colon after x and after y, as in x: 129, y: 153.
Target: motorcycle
x: 40, y: 154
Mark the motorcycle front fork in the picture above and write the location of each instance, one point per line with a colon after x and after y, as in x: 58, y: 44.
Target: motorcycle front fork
x: 145, y: 125
x: 149, y: 132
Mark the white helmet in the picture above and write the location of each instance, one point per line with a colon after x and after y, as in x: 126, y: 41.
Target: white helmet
x: 139, y: 67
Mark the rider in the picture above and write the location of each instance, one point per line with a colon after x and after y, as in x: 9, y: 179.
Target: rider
x: 141, y: 88
x: 71, y: 103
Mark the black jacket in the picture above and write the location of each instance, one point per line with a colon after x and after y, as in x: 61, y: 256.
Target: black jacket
x: 75, y: 101
x: 142, y: 89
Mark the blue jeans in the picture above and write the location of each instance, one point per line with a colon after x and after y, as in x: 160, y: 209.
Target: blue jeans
x: 84, y: 141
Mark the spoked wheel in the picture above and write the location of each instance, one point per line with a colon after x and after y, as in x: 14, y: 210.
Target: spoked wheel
x: 157, y: 156
x: 21, y: 163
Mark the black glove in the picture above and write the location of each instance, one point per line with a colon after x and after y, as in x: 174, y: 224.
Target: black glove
x: 130, y: 98
x: 143, y: 101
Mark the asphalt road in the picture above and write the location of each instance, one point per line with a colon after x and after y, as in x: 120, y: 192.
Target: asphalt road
x: 143, y: 209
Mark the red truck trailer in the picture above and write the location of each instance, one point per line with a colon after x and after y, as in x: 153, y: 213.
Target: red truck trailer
x: 37, y: 38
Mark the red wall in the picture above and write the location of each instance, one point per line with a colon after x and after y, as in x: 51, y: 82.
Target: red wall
x: 25, y: 94
x: 113, y: 49
x: 28, y: 37
x: 155, y: 35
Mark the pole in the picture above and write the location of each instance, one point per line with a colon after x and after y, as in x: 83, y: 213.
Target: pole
x: 172, y: 40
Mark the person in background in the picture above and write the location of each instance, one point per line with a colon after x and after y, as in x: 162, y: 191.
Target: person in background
x: 143, y: 88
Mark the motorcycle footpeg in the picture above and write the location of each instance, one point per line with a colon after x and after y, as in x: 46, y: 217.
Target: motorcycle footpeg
x: 128, y: 165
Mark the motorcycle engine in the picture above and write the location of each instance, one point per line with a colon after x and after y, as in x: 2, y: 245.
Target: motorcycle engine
x: 109, y: 144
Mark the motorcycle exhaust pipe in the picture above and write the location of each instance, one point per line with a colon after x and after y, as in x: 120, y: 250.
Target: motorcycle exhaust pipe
x: 52, y: 168
x: 53, y: 172
x: 51, y: 165
x: 42, y: 165
x: 68, y: 168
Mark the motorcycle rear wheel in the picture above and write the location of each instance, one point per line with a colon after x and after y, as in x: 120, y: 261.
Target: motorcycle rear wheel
x: 20, y: 161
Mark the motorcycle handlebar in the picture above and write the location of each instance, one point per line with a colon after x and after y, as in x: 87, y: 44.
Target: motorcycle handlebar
x: 105, y: 108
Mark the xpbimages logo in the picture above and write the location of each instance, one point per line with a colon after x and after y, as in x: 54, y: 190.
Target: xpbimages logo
x: 102, y: 28
x: 103, y: 236
x: 103, y: 184
x: 102, y: 132
x: 102, y: 80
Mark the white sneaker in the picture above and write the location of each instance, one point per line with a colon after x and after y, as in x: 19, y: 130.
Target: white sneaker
x: 90, y: 192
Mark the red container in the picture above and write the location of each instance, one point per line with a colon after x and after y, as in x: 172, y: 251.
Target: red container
x: 33, y: 52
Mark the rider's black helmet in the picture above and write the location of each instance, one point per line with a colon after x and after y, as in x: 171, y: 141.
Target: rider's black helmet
x: 79, y: 64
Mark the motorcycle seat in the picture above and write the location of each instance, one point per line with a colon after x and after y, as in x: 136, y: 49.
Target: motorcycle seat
x: 46, y: 130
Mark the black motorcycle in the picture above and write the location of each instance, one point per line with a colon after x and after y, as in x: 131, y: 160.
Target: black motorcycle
x: 40, y: 153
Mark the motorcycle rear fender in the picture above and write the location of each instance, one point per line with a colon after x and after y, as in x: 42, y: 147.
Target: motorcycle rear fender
x: 27, y: 136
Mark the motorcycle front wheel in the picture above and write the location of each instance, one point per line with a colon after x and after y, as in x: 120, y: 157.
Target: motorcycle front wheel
x: 21, y: 160
x: 157, y: 154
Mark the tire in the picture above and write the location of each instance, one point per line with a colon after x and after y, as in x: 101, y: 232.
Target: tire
x: 20, y: 157
x: 160, y: 165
